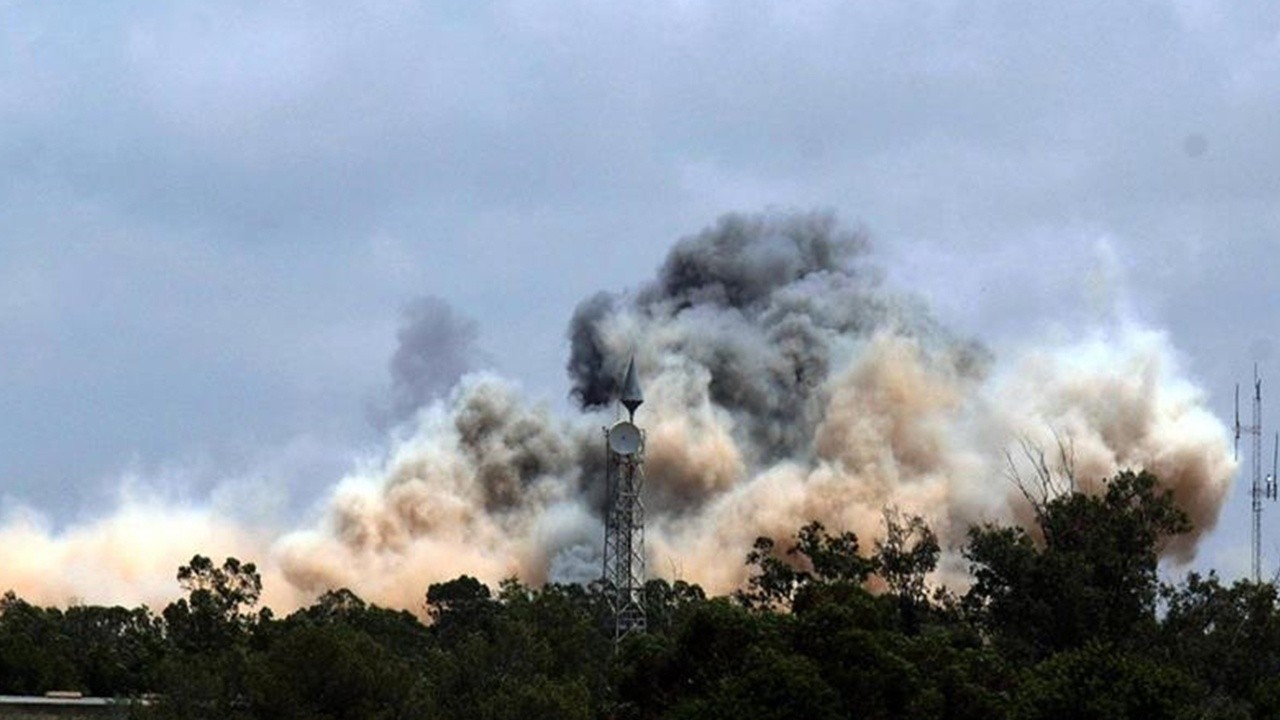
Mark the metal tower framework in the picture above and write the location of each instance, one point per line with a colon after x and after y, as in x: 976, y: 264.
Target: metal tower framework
x: 624, y: 558
x: 1258, y: 490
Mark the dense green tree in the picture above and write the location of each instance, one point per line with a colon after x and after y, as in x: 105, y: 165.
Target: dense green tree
x: 815, y: 557
x: 332, y: 671
x: 116, y: 650
x: 1102, y: 682
x: 710, y: 645
x: 526, y: 653
x: 903, y: 559
x: 205, y: 672
x: 35, y: 655
x: 215, y: 614
x: 1091, y: 576
x: 400, y: 631
x: 1228, y: 637
x: 769, y: 684
x: 1064, y: 619
x: 664, y: 603
x: 459, y: 606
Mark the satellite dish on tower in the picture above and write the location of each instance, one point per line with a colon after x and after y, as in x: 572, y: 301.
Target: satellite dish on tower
x: 624, y: 555
x: 624, y: 438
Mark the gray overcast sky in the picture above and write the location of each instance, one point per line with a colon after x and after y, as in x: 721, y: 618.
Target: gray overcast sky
x: 212, y: 214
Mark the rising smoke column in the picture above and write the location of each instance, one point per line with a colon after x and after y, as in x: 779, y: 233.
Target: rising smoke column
x: 783, y: 384
x: 435, y: 347
x: 751, y: 319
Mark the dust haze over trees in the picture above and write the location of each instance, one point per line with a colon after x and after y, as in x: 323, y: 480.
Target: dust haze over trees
x: 801, y: 416
x: 786, y: 381
x: 1067, y: 619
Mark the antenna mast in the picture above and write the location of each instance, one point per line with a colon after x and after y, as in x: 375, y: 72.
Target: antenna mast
x: 624, y: 559
x: 1258, y: 491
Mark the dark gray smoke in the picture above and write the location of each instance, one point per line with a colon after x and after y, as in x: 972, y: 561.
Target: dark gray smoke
x: 436, y: 346
x: 510, y: 445
x: 742, y: 260
x: 593, y: 374
x: 764, y: 304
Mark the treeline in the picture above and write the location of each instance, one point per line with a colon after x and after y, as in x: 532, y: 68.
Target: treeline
x: 1069, y: 620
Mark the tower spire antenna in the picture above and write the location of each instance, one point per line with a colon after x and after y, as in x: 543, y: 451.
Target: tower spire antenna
x: 631, y: 397
x: 624, y: 555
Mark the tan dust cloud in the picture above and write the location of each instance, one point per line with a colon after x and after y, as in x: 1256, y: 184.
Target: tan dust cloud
x: 783, y: 385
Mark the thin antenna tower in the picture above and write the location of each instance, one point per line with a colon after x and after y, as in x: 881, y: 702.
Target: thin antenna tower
x: 1258, y: 490
x: 624, y: 572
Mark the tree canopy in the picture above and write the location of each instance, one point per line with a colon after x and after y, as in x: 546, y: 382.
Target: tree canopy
x: 1066, y: 618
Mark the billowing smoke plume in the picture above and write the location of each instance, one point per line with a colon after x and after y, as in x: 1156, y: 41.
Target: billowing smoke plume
x: 435, y: 347
x: 483, y: 488
x: 783, y: 384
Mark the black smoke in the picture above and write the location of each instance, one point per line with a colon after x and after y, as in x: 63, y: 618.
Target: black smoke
x: 765, y: 304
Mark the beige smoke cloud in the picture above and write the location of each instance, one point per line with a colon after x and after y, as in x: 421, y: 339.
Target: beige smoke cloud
x: 782, y: 386
x: 902, y: 431
x: 128, y: 557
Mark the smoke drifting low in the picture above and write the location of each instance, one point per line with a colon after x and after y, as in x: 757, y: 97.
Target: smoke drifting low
x: 783, y: 384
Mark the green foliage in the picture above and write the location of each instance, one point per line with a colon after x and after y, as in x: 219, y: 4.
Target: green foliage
x: 396, y: 630
x: 831, y: 558
x: 815, y: 558
x: 904, y: 559
x: 773, y: 580
x: 528, y: 653
x: 116, y: 650
x: 665, y: 603
x: 1091, y: 578
x: 768, y: 684
x: 1099, y: 681
x: 332, y: 670
x: 1063, y: 620
x: 462, y: 594
x: 1228, y: 638
x: 214, y: 616
x: 228, y: 589
x: 34, y: 652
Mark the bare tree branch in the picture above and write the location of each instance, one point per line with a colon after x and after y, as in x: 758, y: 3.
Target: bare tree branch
x: 1046, y: 479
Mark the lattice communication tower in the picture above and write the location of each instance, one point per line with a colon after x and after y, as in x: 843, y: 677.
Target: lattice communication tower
x: 1259, y: 490
x: 624, y: 573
